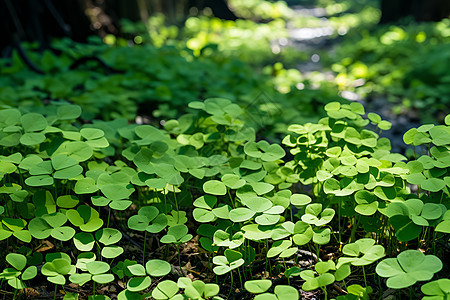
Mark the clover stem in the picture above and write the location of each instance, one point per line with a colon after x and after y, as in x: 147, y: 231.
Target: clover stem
x: 143, y: 250
x: 334, y: 236
x: 166, y: 251
x: 311, y: 253
x: 175, y: 197
x: 179, y: 259
x: 434, y: 242
x: 109, y: 215
x: 364, y: 274
x: 324, y: 289
x: 54, y: 294
x: 339, y: 224
x: 94, y: 289
x: 165, y: 203
x: 285, y: 269
x: 231, y: 199
x: 424, y: 235
x: 55, y: 192
x: 7, y: 208
x: 98, y: 250
x: 250, y: 266
x: 231, y: 287
x: 20, y: 177
x: 354, y: 227
x: 240, y: 278
x: 380, y: 288
x: 290, y: 211
x: 442, y: 197
x: 209, y: 260
x: 389, y: 241
x: 267, y: 260
x: 15, y: 293
x: 318, y: 252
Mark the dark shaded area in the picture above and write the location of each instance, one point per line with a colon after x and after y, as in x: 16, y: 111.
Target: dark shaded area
x: 421, y: 10
x: 30, y: 20
x: 219, y: 8
x: 40, y: 20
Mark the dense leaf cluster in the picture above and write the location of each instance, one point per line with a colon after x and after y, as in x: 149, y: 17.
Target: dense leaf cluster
x: 205, y: 175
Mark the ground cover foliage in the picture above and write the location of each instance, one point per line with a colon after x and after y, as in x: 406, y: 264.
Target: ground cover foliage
x: 201, y: 195
x: 405, y: 63
x: 155, y: 82
x: 179, y: 168
x: 416, y: 80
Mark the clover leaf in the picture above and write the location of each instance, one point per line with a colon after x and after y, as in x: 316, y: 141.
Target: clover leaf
x: 154, y: 267
x: 409, y: 216
x: 51, y: 224
x: 258, y: 286
x: 204, y: 206
x: 16, y: 275
x: 224, y: 239
x: 57, y: 266
x: 85, y: 217
x: 365, y: 247
x: 177, y: 234
x: 165, y: 290
x: 214, y: 187
x: 96, y: 272
x: 280, y: 292
x: 409, y: 267
x: 313, y: 282
x: 282, y: 248
x: 15, y: 227
x: 315, y: 216
x: 437, y: 289
x: 232, y: 260
x: 198, y: 289
x: 303, y: 233
x: 148, y: 219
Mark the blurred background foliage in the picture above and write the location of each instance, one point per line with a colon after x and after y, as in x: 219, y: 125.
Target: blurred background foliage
x: 149, y: 58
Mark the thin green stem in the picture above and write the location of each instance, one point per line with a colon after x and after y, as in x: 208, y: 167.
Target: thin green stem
x: 324, y: 289
x: 54, y: 294
x: 354, y: 227
x: 231, y: 199
x: 240, y: 278
x: 176, y: 201
x: 318, y: 252
x: 179, y: 259
x: 109, y: 215
x: 380, y: 288
x: 339, y: 225
x: 231, y: 287
x: 285, y: 269
x: 268, y: 260
x: 143, y: 250
x: 165, y: 202
x: 98, y: 250
x: 364, y: 274
x: 433, y: 243
x: 290, y: 211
